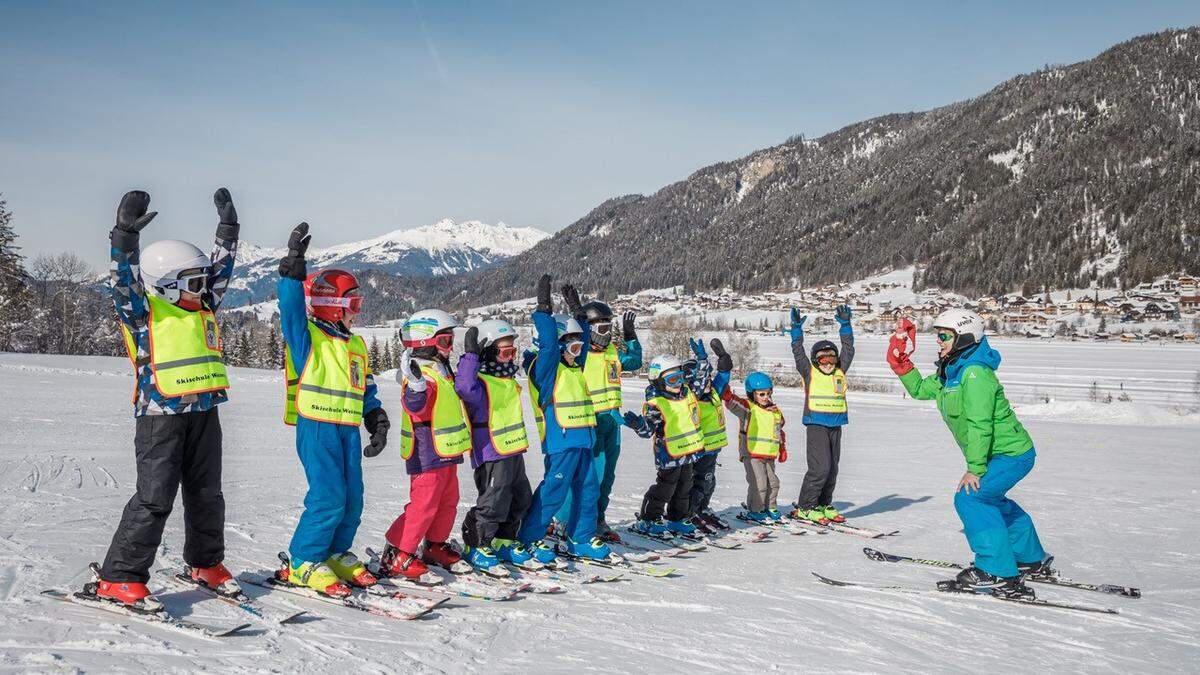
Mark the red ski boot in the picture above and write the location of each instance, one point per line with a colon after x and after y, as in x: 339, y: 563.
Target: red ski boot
x: 444, y: 556
x: 131, y: 594
x: 215, y: 578
x: 397, y: 563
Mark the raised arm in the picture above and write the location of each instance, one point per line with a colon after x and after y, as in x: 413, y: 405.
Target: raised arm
x: 466, y: 381
x: 224, y: 250
x: 631, y: 355
x: 129, y: 295
x: 796, y: 331
x: 293, y: 315
x: 846, y: 333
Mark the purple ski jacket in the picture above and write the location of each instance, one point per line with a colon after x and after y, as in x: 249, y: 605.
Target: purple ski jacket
x: 474, y: 395
x: 419, y: 406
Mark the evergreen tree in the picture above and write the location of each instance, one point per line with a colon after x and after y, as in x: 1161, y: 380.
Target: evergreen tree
x: 373, y: 354
x: 15, y: 298
x: 274, y: 349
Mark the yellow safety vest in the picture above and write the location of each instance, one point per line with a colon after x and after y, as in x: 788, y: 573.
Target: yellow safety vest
x: 572, y: 403
x: 762, y: 433
x: 334, y: 380
x: 826, y: 393
x: 681, y: 424
x: 506, y: 421
x: 451, y: 431
x: 185, y: 350
x: 603, y: 373
x: 712, y: 421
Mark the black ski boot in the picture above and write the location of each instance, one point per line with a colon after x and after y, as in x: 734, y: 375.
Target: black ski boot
x: 702, y: 527
x: 975, y: 580
x: 1038, y: 570
x: 714, y: 520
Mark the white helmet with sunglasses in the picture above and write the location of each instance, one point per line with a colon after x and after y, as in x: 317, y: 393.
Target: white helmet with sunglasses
x: 171, y: 266
x: 429, y: 328
x: 967, y: 326
x: 493, y: 330
x: 666, y: 369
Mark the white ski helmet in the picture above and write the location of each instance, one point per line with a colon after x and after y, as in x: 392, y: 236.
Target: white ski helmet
x: 964, y: 323
x: 496, y: 329
x: 662, y: 364
x: 423, y: 325
x: 165, y: 263
x: 567, y: 325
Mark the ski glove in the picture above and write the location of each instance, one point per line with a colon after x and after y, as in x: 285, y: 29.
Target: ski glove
x: 471, y: 342
x: 544, y: 303
x: 901, y: 346
x: 416, y: 381
x: 842, y: 314
x: 698, y: 349
x: 378, y: 426
x: 229, y: 227
x: 293, y: 265
x: 131, y: 219
x: 724, y: 360
x: 782, y: 455
x: 633, y: 420
x: 627, y: 327
x: 571, y: 295
x: 796, y: 332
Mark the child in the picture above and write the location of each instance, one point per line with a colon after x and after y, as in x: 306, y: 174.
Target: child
x: 332, y: 395
x: 824, y: 415
x: 761, y: 440
x: 712, y: 425
x: 434, y: 436
x: 165, y: 298
x: 487, y: 383
x: 671, y: 416
x: 606, y: 361
x: 567, y: 424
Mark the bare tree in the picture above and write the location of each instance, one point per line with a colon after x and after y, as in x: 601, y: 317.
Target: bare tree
x: 59, y: 283
x: 744, y: 350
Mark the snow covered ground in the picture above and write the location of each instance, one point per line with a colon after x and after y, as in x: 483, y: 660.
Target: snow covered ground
x: 1114, y: 497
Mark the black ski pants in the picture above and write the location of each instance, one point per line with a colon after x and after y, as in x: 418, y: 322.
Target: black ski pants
x: 504, y: 500
x: 672, y: 492
x: 704, y: 481
x: 824, y: 452
x: 172, y: 450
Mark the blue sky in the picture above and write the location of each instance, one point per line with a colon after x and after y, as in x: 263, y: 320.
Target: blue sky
x: 362, y: 117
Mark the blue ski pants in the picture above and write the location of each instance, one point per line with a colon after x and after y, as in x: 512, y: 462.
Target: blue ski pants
x: 570, y: 469
x: 332, y: 459
x: 605, y: 454
x: 999, y: 532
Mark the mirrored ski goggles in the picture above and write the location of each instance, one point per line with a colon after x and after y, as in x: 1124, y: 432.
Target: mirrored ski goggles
x: 351, y: 301
x: 193, y: 281
x: 602, y: 327
x: 943, y: 336
x: 826, y: 358
x: 574, y: 347
x: 443, y: 341
x: 675, y: 378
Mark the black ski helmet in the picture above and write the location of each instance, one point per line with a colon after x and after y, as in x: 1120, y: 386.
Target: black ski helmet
x: 595, y: 311
x: 822, y: 346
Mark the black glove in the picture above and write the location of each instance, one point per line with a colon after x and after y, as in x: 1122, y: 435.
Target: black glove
x: 544, y: 303
x: 228, y: 229
x: 571, y: 295
x: 724, y: 360
x: 471, y: 342
x: 131, y: 218
x: 627, y: 327
x: 633, y: 420
x: 293, y: 266
x: 377, y: 425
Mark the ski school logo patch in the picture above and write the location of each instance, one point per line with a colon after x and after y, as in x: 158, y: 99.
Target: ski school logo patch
x: 614, y: 373
x: 358, y: 370
x: 695, y: 412
x: 210, y: 334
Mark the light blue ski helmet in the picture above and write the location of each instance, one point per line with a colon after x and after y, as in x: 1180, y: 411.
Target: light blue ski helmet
x: 757, y: 381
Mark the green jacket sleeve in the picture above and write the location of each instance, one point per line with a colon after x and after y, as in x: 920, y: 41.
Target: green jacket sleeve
x: 978, y: 402
x: 921, y: 388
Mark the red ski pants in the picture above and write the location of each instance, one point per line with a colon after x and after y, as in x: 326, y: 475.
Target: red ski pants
x: 429, y: 514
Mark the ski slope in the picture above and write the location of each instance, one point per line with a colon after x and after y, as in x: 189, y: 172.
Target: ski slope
x: 1114, y: 502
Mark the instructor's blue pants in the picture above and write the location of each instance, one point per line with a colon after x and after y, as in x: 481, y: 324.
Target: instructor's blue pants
x: 605, y: 454
x: 1000, y: 533
x: 332, y: 459
x: 570, y: 469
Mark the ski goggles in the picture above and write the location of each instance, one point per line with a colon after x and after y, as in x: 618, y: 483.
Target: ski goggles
x: 351, y: 302
x: 193, y: 280
x: 602, y: 327
x: 826, y: 358
x: 574, y: 347
x: 943, y: 336
x: 675, y: 378
x: 506, y: 353
x: 443, y: 341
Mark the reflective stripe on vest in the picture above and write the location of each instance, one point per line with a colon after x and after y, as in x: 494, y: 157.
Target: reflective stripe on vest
x: 185, y: 350
x: 292, y: 381
x: 572, y: 404
x: 762, y: 433
x: 334, y: 380
x: 681, y: 424
x: 602, y: 370
x: 712, y: 422
x: 826, y: 393
x: 506, y: 421
x: 451, y: 433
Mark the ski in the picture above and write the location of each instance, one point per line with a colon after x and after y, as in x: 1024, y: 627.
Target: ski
x: 949, y: 587
x: 463, y: 589
x: 253, y: 607
x: 160, y: 618
x: 842, y: 528
x: 395, y: 605
x: 724, y: 542
x: 1110, y: 589
x: 653, y: 554
x: 670, y: 539
x: 565, y: 574
x: 478, y: 587
x: 621, y: 564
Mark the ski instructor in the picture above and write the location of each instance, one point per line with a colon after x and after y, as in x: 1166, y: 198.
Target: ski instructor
x: 998, y: 451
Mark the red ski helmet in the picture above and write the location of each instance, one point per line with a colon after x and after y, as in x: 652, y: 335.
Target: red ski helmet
x: 332, y: 294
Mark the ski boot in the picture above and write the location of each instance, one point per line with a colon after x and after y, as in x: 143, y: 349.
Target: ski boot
x: 130, y: 594
x: 774, y: 515
x: 482, y: 558
x: 831, y: 514
x: 1038, y: 570
x: 681, y: 528
x: 653, y: 528
x: 713, y: 520
x: 557, y: 531
x: 443, y: 555
x: 542, y: 552
x: 316, y: 576
x: 975, y: 580
x: 593, y: 550
x: 701, y: 527
x: 511, y: 551
x: 397, y: 563
x: 350, y: 570
x: 756, y: 516
x: 215, y: 578
x: 811, y: 515
x: 606, y: 533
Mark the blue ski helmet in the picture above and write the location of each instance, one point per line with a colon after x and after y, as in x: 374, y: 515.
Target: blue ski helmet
x: 757, y: 381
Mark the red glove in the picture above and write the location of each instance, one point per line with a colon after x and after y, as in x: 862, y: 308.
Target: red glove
x: 782, y: 455
x: 901, y: 345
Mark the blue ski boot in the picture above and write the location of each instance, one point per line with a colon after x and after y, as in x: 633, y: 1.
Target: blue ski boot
x: 775, y: 515
x: 596, y: 549
x: 511, y: 551
x: 680, y: 527
x: 542, y: 552
x: 482, y: 557
x: 654, y: 528
x: 756, y: 516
